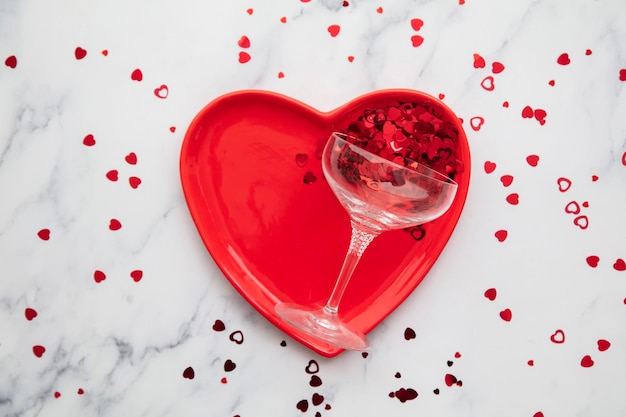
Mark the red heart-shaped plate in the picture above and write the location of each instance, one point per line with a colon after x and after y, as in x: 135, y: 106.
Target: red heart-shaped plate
x: 251, y: 174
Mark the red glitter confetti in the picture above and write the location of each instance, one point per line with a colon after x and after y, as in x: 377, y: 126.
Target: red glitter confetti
x: 501, y: 235
x: 283, y: 19
x: 505, y: 104
x: 303, y: 405
x: 551, y: 83
x: 538, y: 414
x: 80, y: 391
x: 172, y: 129
x: 491, y: 294
x: 281, y: 74
x: 189, y: 373
x: 99, y: 276
x: 564, y: 184
x: 404, y: 394
x: 592, y: 261
x: 488, y: 83
x: 136, y: 275
x: 44, y: 234
x: 379, y: 10
x: 115, y: 224
x: 409, y: 334
x: 39, y: 350
x: 540, y: 115
x: 309, y: 178
x: 350, y: 58
x: 302, y: 159
x: 80, y: 53
x: 57, y: 394
x: 105, y: 52
x: 136, y: 75
x: 250, y: 11
x: 317, y: 399
x: 588, y: 52
x: 162, y: 91
x: 11, y: 62
x: 531, y: 362
x: 89, y: 140
x: 30, y: 313
x: 563, y: 59
x: 334, y: 30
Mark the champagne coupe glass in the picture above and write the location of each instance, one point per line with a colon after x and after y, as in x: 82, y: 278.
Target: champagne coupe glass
x: 379, y: 195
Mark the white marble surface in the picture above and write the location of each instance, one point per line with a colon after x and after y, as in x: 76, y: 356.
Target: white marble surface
x: 120, y: 347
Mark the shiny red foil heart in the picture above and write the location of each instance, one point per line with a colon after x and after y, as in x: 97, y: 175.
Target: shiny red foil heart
x: 251, y: 174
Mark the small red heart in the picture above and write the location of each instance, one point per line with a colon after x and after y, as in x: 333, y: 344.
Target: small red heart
x: 112, y: 175
x: 250, y: 11
x: 244, y: 42
x: 531, y: 362
x: 479, y: 61
x: 505, y: 104
x: 582, y: 222
x: 619, y: 265
x: 189, y: 373
x: 244, y: 57
x: 136, y: 75
x: 219, y: 326
x: 595, y: 178
x: 513, y: 199
x: 622, y: 74
x: 564, y: 184
x: 11, y: 61
x: 586, y: 362
x: 551, y: 83
x: 115, y: 224
x: 131, y: 158
x: 506, y: 180
x: 350, y: 58
x: 527, y: 112
x: 80, y: 53
x: 497, y: 67
x: 603, y: 345
x: 441, y: 96
x: 134, y: 182
x: 592, y: 261
x: 44, y: 234
x: 416, y: 40
x: 476, y: 123
x: 532, y: 160
x: 80, y: 391
x: 99, y: 276
x: 450, y: 380
x: 136, y: 275
x: 30, y: 313
x: 230, y: 149
x: 490, y: 167
x: 317, y: 399
x: 572, y: 208
x: 506, y: 314
x: 488, y: 83
x: 501, y: 235
x: 491, y: 294
x: 417, y: 24
x: 57, y: 394
x: 303, y: 405
x: 312, y: 367
x: 224, y: 380
x: 563, y: 59
x: 229, y: 365
x: 379, y: 10
x: 409, y: 334
x: 334, y: 30
x: 162, y: 91
x: 588, y: 52
x: 89, y: 140
x: 283, y: 19
x: 540, y: 115
x: 172, y: 129
x: 558, y: 337
x: 105, y: 52
x: 457, y: 355
x: 39, y: 350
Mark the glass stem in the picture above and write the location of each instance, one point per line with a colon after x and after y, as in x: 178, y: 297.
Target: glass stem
x: 359, y: 241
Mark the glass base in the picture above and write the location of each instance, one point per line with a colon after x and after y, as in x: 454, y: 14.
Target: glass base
x: 322, y: 325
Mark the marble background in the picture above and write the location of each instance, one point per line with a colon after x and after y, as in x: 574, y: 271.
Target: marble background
x: 126, y: 345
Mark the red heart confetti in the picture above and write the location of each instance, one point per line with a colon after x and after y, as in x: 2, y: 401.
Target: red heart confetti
x: 404, y: 394
x: 172, y: 129
x: 417, y: 40
x: 250, y: 11
x: 592, y: 261
x: 506, y: 180
x: 490, y: 167
x: 417, y: 24
x: 479, y: 61
x: 99, y: 276
x: 603, y: 345
x: 244, y: 57
x: 80, y: 53
x: 134, y: 182
x: 303, y: 405
x: 80, y: 391
x: 11, y: 61
x: 563, y: 59
x: 588, y: 52
x: 586, y: 362
x: 379, y: 10
x: 532, y: 160
x: 244, y: 42
x: 513, y: 199
x: 57, y: 394
x: 527, y: 112
x: 531, y: 362
x: 505, y: 104
x: 450, y: 380
x: 136, y: 275
x: 538, y: 414
x: 501, y: 235
x: 476, y: 123
x: 136, y: 75
x: 491, y: 294
x: 619, y: 265
x: 497, y: 67
x: 112, y: 175
x: 558, y: 337
x: 219, y: 326
x: 551, y: 83
x: 540, y: 115
x: 409, y: 334
x: 89, y: 140
x: 44, y: 234
x: 317, y: 399
x: 312, y: 367
x: 131, y: 158
x: 115, y: 224
x: 488, y: 83
x: 622, y: 74
x: 506, y: 314
x: 350, y: 58
x: 224, y: 380
x: 39, y: 350
x: 105, y: 52
x: 441, y: 96
x: 334, y: 30
x: 564, y: 184
x: 281, y: 74
x: 162, y: 91
x: 582, y: 222
x: 229, y: 365
x: 283, y: 19
x: 315, y: 381
x: 30, y: 313
x: 236, y: 336
x: 189, y: 373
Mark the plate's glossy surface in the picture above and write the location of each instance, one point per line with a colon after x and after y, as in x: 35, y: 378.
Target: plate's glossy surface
x: 251, y: 174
